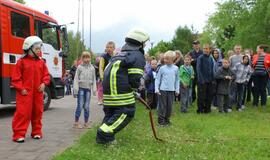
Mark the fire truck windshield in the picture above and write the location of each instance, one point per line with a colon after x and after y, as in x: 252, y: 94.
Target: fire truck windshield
x: 48, y: 33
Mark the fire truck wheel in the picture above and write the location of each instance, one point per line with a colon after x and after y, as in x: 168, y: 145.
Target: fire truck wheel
x: 46, y: 98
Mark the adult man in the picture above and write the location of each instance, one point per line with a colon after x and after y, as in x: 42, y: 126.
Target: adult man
x: 104, y: 61
x: 205, y: 76
x: 195, y: 53
x: 121, y: 76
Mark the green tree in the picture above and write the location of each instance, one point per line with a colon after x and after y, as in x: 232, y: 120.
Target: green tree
x: 20, y: 1
x: 161, y: 47
x: 182, y: 41
x: 76, y: 47
x: 245, y: 22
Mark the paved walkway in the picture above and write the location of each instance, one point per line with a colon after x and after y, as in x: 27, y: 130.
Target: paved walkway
x: 57, y: 130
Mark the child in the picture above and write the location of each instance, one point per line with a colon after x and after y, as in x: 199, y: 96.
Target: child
x: 166, y: 85
x: 84, y: 82
x: 205, y: 78
x: 224, y: 76
x: 99, y: 82
x: 186, y: 74
x: 150, y: 85
x: 29, y: 78
x: 68, y: 81
x: 243, y: 72
x: 217, y: 60
x: 217, y: 63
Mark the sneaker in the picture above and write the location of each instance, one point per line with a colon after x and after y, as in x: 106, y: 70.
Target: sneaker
x: 243, y: 107
x: 37, y: 137
x: 19, y: 140
x: 77, y: 125
x: 87, y: 125
x: 168, y: 124
x: 161, y: 125
x: 112, y: 143
x: 239, y: 110
x: 229, y: 110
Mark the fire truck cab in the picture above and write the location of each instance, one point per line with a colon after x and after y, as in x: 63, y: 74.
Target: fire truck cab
x: 16, y: 23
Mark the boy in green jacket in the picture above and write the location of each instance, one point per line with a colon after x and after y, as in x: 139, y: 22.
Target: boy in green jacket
x: 186, y: 74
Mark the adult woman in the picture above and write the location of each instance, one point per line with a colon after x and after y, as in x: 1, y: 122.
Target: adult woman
x: 261, y: 65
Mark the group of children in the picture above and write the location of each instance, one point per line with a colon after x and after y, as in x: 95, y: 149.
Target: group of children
x: 222, y: 82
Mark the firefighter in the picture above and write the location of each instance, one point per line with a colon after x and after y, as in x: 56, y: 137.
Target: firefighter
x: 29, y: 79
x: 121, y: 76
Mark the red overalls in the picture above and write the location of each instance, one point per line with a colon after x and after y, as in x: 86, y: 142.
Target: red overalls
x: 29, y: 74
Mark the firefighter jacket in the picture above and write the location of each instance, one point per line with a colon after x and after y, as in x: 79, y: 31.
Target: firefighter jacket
x: 122, y: 75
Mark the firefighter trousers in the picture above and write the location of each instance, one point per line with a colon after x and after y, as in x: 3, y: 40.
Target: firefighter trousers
x: 116, y: 118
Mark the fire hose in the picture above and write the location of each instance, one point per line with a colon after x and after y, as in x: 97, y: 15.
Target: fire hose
x: 150, y: 116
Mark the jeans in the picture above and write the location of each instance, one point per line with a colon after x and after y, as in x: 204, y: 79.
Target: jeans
x: 240, y: 88
x: 260, y: 83
x: 152, y: 100
x: 190, y: 95
x: 165, y: 109
x: 205, y: 96
x: 232, y: 94
x: 194, y: 84
x: 248, y: 91
x: 223, y: 103
x: 83, y: 101
x: 184, y: 98
x: 268, y: 87
x: 68, y: 89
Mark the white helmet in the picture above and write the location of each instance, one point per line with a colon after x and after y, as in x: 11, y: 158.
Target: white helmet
x: 138, y: 34
x: 30, y: 41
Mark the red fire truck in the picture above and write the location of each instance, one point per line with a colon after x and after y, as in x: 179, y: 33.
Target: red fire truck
x: 18, y: 22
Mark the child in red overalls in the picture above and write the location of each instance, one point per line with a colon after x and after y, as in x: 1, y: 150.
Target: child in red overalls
x: 29, y: 78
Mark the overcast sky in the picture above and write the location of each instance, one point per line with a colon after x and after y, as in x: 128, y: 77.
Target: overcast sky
x: 111, y: 19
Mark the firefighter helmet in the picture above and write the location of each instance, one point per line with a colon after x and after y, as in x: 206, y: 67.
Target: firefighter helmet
x: 138, y: 35
x: 30, y: 41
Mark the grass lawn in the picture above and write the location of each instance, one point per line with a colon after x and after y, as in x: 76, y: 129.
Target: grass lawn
x: 237, y: 135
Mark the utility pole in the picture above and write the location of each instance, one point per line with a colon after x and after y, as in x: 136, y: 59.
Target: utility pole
x: 90, y: 40
x: 83, y: 22
x: 78, y: 31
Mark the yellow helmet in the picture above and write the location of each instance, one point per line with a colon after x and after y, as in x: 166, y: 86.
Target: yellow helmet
x: 138, y: 35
